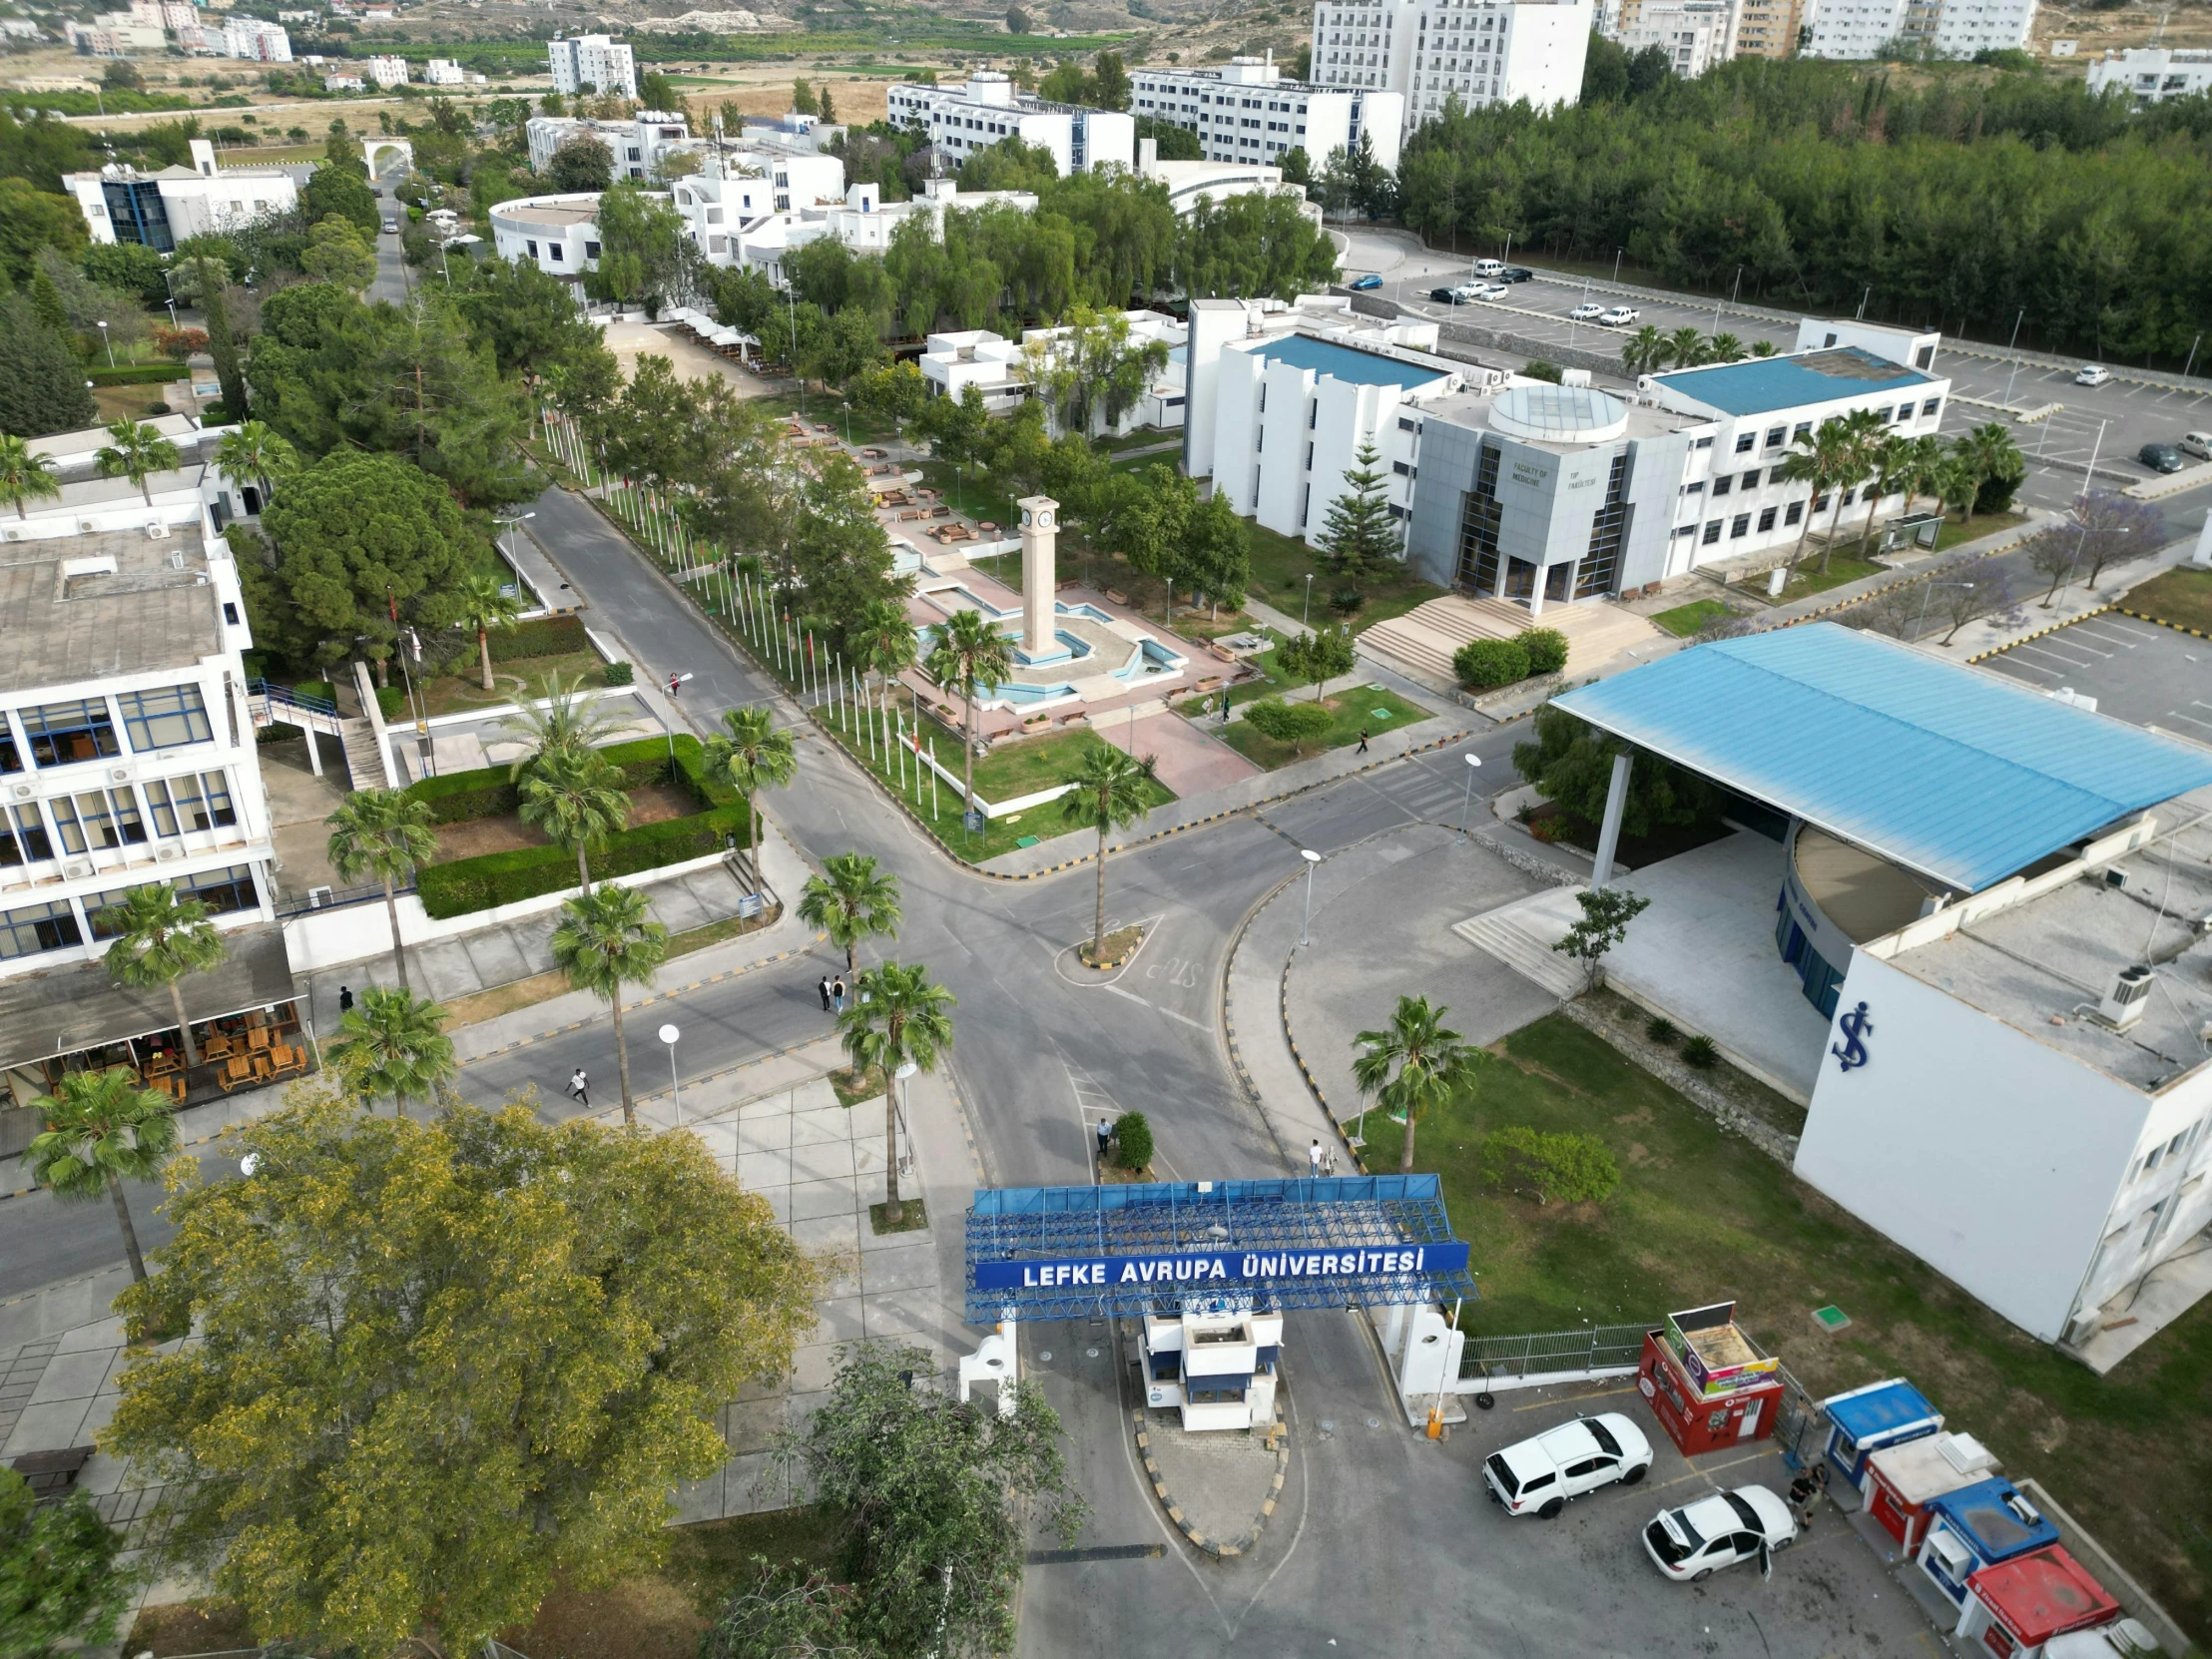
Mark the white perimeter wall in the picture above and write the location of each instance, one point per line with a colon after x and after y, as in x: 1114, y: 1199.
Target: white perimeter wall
x: 1991, y: 1157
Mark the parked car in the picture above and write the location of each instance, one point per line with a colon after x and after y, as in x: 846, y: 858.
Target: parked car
x: 2093, y: 374
x: 1538, y: 1475
x: 1445, y: 297
x: 1367, y: 283
x: 391, y: 226
x: 1489, y: 291
x: 1515, y: 273
x: 2198, y: 444
x: 2160, y: 457
x: 1698, y: 1540
x: 1589, y: 311
x: 1618, y: 316
x: 1488, y: 267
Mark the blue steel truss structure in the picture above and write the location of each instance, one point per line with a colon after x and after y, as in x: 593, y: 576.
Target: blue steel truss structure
x: 1372, y: 1215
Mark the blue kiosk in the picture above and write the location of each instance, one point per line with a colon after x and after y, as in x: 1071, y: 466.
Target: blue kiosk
x: 1210, y: 1267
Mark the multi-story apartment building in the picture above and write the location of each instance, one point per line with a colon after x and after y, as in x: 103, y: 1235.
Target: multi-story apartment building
x: 1248, y: 111
x: 386, y: 71
x: 987, y: 109
x: 1951, y: 28
x: 255, y: 41
x: 160, y: 210
x: 637, y: 144
x: 1768, y: 28
x: 1695, y: 34
x: 1479, y: 51
x: 2152, y: 73
x: 443, y: 72
x: 594, y: 61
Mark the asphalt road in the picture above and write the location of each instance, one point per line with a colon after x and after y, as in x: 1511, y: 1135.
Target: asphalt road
x: 2138, y: 671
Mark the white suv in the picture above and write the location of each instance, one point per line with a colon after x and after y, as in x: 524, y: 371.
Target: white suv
x: 1537, y: 1476
x: 1619, y: 317
x: 1489, y: 267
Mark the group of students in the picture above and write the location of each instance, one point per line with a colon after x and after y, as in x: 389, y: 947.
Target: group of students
x: 833, y: 995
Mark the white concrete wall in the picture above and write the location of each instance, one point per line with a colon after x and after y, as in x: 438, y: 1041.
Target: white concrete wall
x: 1990, y: 1156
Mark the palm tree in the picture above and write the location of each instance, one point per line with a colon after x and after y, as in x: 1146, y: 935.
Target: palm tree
x: 577, y: 800
x: 1861, y: 432
x: 896, y: 1015
x: 751, y: 753
x: 158, y: 939
x: 603, y: 942
x: 851, y: 901
x: 884, y: 639
x: 1989, y: 453
x: 25, y: 476
x: 383, y: 835
x: 257, y: 451
x: 1813, y: 462
x: 136, y: 451
x: 558, y: 720
x: 1926, y: 458
x: 1109, y: 789
x: 1686, y: 346
x: 1644, y: 351
x: 1892, y: 459
x: 1430, y: 1061
x: 102, y: 1129
x: 389, y: 1042
x: 972, y: 654
x: 486, y: 604
x: 1724, y: 348
x: 1762, y: 349
x: 1955, y: 483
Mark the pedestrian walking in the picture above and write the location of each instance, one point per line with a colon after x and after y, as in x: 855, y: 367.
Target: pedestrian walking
x: 1362, y: 749
x: 675, y: 685
x: 837, y: 993
x: 346, y: 1003
x: 579, y: 1089
x: 1312, y: 1160
x: 1803, y: 1494
x: 824, y: 987
x: 1105, y: 1139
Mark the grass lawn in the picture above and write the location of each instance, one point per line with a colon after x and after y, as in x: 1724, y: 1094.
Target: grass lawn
x: 1279, y: 565
x: 827, y: 410
x: 978, y: 500
x: 1987, y: 524
x: 1810, y: 579
x: 452, y: 693
x: 1685, y: 620
x: 2181, y: 597
x: 1701, y: 1215
x: 1371, y: 707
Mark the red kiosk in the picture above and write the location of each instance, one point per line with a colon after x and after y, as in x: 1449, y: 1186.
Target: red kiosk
x: 2014, y: 1608
x: 1709, y: 1384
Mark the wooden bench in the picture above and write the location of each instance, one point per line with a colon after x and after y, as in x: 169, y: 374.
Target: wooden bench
x: 51, y: 1474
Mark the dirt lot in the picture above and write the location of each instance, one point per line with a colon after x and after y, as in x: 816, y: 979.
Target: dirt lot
x: 653, y: 804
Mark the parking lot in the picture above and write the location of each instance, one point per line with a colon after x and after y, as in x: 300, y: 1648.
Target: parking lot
x: 2138, y: 671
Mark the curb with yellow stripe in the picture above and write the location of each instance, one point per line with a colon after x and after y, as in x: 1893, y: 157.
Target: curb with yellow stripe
x: 1277, y: 1439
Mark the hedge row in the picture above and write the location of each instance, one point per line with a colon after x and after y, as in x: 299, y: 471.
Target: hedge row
x: 138, y: 374
x: 459, y: 796
x: 1484, y: 664
x: 545, y: 636
x: 470, y: 884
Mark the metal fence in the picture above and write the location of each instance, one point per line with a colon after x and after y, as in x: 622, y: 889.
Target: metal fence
x: 329, y: 899
x: 1539, y: 1354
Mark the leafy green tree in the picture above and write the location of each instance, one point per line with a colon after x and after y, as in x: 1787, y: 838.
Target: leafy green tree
x: 1358, y: 534
x: 523, y: 1334
x: 898, y: 1017
x: 42, y: 381
x: 338, y: 254
x: 25, y: 476
x: 1297, y: 724
x: 851, y: 901
x: 1573, y: 764
x: 784, y: 1612
x: 645, y: 253
x: 32, y: 218
x: 1990, y: 457
x: 102, y: 1129
x: 46, y: 301
x: 840, y: 553
x: 385, y: 836
x: 1107, y: 790
x: 343, y: 190
x: 1217, y: 552
x: 803, y: 98
x: 154, y: 940
x: 255, y: 451
x: 1091, y: 372
x: 576, y: 801
x: 605, y: 940
x: 485, y: 605
x: 1413, y: 1065
x: 1603, y: 925
x: 1317, y: 658
x: 137, y: 450
x: 935, y: 1501
x: 751, y: 753
x: 60, y: 1584
x: 390, y: 1043
x: 971, y: 657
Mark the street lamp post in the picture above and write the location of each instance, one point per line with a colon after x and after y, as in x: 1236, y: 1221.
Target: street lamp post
x: 106, y: 341
x: 1308, y: 611
x: 1312, y: 859
x: 669, y: 1034
x: 2009, y: 344
x: 1466, y: 796
x: 1920, y: 627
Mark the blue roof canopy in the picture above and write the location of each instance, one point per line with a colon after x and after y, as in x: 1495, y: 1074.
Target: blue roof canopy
x: 1961, y: 776
x: 1347, y: 364
x: 1880, y: 1410
x: 1049, y: 1253
x: 1761, y: 385
x: 1995, y: 1520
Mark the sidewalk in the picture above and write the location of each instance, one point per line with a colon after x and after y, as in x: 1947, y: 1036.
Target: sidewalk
x: 1982, y: 638
x: 1903, y: 570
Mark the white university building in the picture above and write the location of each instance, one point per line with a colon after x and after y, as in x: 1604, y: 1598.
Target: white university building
x: 1481, y: 51
x: 1249, y: 111
x: 2152, y: 73
x: 1953, y: 28
x: 596, y: 63
x: 987, y: 109
x: 636, y: 145
x: 160, y: 210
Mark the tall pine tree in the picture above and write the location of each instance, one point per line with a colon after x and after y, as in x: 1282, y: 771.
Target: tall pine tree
x: 222, y: 345
x: 1356, y: 533
x: 42, y: 381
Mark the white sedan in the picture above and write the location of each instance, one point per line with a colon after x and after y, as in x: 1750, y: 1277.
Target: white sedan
x: 1588, y: 312
x: 2093, y: 374
x: 1697, y: 1540
x: 1489, y: 291
x: 1537, y: 1476
x: 1619, y: 317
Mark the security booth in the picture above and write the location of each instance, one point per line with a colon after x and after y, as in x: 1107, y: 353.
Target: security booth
x: 1864, y: 1421
x: 1209, y: 1267
x: 1902, y: 1479
x: 2016, y: 1609
x: 1977, y: 1526
x: 1709, y: 1384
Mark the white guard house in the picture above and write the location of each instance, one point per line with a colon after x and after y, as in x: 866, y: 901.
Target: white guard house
x: 1210, y: 1268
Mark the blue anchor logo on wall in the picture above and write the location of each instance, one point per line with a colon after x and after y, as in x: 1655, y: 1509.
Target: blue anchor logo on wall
x: 1851, y: 1051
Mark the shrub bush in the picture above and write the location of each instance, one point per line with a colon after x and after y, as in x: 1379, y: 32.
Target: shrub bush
x: 619, y: 674
x: 543, y: 636
x: 1546, y: 647
x: 321, y: 689
x: 1347, y: 601
x: 1569, y: 1168
x: 1702, y: 1052
x: 1133, y: 1137
x: 1660, y: 1029
x: 391, y: 700
x: 1485, y: 664
x: 1536, y: 368
x: 460, y: 796
x: 1296, y: 724
x: 470, y: 884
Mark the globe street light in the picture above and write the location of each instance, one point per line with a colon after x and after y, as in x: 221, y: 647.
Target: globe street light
x: 106, y: 341
x: 1311, y: 858
x: 1466, y: 796
x: 669, y: 1034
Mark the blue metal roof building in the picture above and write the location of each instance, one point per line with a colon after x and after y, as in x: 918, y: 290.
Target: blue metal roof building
x: 1347, y: 364
x: 1960, y: 776
x: 1865, y: 1419
x: 1761, y: 385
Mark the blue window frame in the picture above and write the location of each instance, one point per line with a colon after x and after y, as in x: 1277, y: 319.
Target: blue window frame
x: 62, y: 734
x: 167, y: 718
x: 38, y: 927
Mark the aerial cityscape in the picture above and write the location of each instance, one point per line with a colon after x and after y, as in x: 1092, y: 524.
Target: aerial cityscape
x: 1105, y: 828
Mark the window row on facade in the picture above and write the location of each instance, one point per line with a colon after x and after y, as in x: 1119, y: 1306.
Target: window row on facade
x: 64, y: 923
x: 65, y: 733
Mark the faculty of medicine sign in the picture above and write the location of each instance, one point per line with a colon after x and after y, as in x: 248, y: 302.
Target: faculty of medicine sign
x: 1222, y: 1268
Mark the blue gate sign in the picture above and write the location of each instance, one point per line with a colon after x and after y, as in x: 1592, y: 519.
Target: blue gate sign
x: 1219, y: 1268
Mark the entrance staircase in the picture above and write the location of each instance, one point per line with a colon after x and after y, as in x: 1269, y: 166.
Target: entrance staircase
x: 1522, y: 934
x: 280, y: 705
x: 1426, y: 637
